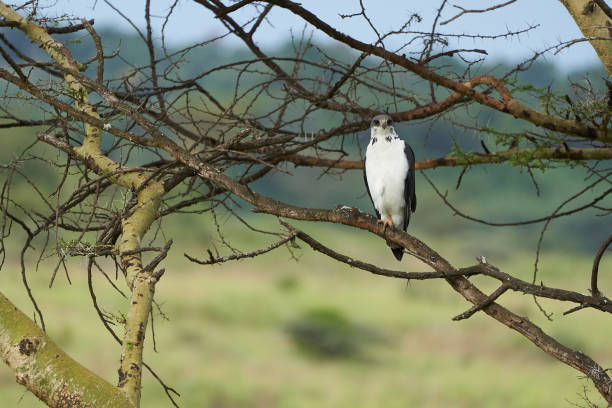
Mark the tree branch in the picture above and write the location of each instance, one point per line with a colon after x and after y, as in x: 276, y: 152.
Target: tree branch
x: 141, y: 282
x: 355, y: 263
x: 521, y: 155
x: 52, y: 30
x: 353, y: 217
x: 490, y: 299
x: 594, y: 272
x: 46, y: 370
x: 466, y: 11
x: 506, y: 105
x: 134, y: 226
x: 212, y: 260
x: 593, y: 22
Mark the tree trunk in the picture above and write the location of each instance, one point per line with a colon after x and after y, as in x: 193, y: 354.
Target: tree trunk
x: 595, y: 24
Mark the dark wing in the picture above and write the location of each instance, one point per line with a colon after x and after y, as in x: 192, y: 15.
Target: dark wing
x: 409, y: 192
x: 365, y: 179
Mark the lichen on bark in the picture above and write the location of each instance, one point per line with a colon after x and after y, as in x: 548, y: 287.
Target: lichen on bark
x: 46, y: 370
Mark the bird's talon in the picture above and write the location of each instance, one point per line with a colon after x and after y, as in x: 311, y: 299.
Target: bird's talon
x: 385, y: 223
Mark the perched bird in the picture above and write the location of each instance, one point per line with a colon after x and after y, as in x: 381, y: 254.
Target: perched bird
x: 389, y: 177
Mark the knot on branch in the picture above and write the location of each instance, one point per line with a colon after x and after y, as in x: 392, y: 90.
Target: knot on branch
x: 29, y: 345
x: 588, y: 8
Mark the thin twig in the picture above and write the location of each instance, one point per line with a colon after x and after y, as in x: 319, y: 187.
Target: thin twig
x: 465, y: 11
x: 595, y: 270
x: 212, y: 260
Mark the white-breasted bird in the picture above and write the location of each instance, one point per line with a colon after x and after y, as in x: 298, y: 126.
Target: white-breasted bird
x: 389, y: 177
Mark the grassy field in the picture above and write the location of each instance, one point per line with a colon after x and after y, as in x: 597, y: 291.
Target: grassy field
x: 229, y: 339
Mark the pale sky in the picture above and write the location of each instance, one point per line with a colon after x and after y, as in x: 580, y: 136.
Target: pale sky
x: 191, y: 22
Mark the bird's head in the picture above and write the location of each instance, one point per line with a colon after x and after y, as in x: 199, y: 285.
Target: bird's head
x: 382, y: 126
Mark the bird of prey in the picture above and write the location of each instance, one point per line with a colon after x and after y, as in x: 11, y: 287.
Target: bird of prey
x: 389, y: 177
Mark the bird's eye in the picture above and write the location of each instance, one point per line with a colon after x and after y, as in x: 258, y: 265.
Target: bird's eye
x: 389, y: 122
x: 376, y: 122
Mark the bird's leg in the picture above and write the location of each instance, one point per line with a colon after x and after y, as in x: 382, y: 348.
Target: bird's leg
x: 388, y: 223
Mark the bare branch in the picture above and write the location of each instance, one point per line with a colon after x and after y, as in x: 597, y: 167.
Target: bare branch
x: 558, y: 153
x: 594, y: 289
x: 212, y: 260
x: 490, y: 299
x: 466, y: 11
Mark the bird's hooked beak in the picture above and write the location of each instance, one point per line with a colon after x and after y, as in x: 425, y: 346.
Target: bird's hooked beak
x: 383, y: 123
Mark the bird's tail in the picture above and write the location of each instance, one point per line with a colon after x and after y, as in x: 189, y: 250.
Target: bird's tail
x: 398, y: 252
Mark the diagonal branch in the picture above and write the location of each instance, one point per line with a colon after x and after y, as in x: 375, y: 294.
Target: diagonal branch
x: 353, y: 217
x: 46, y: 370
x: 355, y: 263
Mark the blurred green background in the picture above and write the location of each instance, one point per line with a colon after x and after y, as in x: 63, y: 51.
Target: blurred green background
x: 275, y: 332
x: 295, y: 329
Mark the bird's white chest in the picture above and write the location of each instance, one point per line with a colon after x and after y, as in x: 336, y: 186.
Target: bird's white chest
x: 386, y: 171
